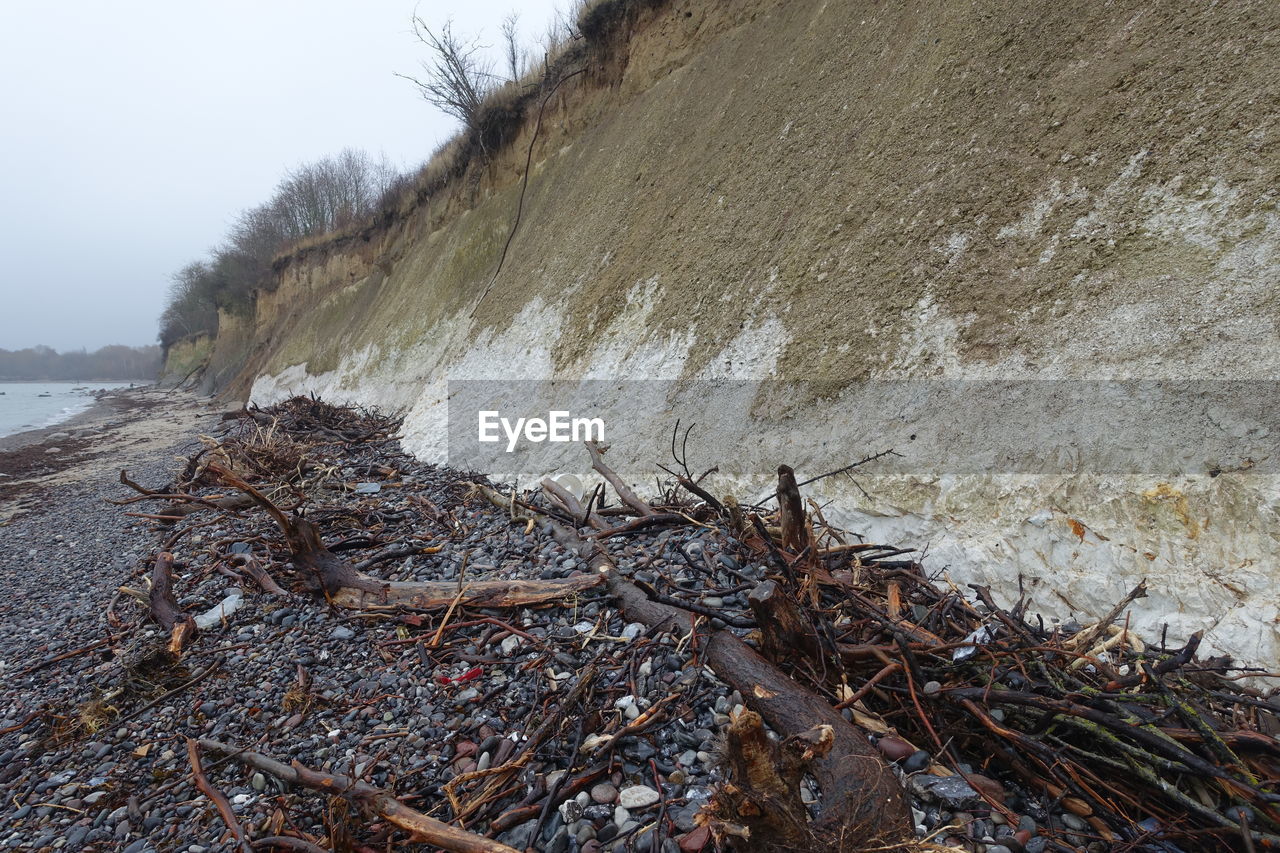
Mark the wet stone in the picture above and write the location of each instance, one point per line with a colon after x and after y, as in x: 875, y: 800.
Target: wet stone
x: 918, y: 761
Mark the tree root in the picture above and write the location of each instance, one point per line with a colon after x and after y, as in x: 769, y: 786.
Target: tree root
x: 422, y: 828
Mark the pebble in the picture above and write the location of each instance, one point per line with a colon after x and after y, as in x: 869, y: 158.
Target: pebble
x: 694, y: 841
x: 919, y: 760
x: 894, y: 748
x: 638, y: 797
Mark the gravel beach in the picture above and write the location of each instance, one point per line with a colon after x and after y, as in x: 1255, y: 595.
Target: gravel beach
x: 400, y: 715
x: 561, y: 726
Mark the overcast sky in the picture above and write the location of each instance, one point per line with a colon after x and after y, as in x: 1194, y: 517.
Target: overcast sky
x: 135, y: 131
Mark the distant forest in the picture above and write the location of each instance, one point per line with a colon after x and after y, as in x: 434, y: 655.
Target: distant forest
x: 114, y: 362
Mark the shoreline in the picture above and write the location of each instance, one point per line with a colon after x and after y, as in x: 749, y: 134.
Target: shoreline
x: 100, y: 408
x: 93, y: 445
x: 98, y: 402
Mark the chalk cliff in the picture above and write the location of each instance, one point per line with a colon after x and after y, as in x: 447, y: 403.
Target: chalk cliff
x: 826, y: 193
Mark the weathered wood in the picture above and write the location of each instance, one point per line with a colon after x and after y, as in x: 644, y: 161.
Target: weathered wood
x: 638, y: 524
x: 783, y: 632
x: 432, y: 594
x: 761, y: 803
x: 623, y: 491
x: 791, y: 511
x: 229, y: 503
x: 181, y: 504
x: 424, y: 829
x: 707, y: 498
x: 164, y: 607
x: 261, y: 577
x: 333, y: 573
x: 215, y: 796
x: 346, y: 587
x: 572, y: 505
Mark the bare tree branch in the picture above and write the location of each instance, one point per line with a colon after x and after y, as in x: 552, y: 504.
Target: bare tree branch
x: 511, y: 51
x: 457, y: 79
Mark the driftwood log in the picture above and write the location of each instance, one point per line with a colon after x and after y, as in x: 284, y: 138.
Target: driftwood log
x: 164, y: 607
x: 424, y: 829
x: 342, y: 584
x: 624, y: 492
x: 791, y: 511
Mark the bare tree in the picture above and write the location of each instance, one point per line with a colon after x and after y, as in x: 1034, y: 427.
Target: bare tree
x: 190, y: 307
x: 511, y: 51
x: 457, y: 78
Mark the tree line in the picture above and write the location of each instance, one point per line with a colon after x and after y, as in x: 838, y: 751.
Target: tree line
x: 113, y: 362
x: 314, y: 199
x: 458, y: 78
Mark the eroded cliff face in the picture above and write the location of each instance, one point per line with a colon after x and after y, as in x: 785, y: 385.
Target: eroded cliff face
x: 844, y: 191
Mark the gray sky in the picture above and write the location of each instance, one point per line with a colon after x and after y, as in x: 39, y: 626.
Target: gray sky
x: 135, y: 131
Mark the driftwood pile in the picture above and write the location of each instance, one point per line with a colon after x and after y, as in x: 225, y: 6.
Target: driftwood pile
x: 880, y: 685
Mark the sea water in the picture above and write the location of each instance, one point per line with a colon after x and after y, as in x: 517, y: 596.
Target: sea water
x: 32, y: 405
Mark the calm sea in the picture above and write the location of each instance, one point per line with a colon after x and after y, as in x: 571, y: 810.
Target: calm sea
x: 32, y: 405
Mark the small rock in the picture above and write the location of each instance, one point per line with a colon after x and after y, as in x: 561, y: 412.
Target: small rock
x: 694, y: 841
x: 570, y: 811
x: 342, y: 633
x: 895, y: 748
x: 637, y: 797
x: 988, y: 786
x: 952, y: 791
x: 604, y: 793
x: 918, y: 761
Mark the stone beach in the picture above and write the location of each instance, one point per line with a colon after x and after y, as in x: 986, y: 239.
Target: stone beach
x: 92, y: 755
